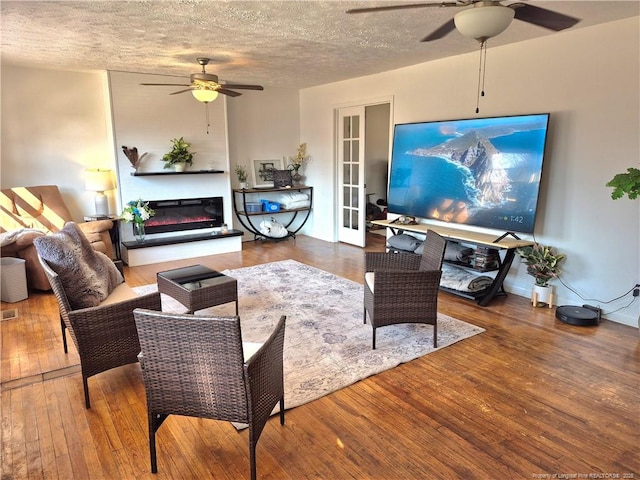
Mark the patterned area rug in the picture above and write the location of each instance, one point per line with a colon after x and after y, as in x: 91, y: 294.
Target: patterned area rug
x: 327, y: 345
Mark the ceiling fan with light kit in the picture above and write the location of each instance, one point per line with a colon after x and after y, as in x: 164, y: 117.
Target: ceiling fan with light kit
x: 205, y: 87
x: 482, y: 20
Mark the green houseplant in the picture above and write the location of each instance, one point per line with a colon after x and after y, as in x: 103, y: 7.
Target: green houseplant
x: 179, y: 156
x: 242, y: 174
x: 628, y: 183
x: 543, y: 263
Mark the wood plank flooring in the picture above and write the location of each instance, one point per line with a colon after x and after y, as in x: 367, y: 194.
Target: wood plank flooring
x: 529, y: 398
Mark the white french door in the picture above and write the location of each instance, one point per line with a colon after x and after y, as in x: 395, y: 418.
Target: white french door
x: 351, y: 176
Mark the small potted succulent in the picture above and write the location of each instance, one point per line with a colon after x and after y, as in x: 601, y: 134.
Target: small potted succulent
x: 179, y: 156
x: 242, y: 174
x: 543, y: 264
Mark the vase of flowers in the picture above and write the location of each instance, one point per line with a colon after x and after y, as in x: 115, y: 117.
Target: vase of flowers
x: 137, y: 212
x: 296, y: 163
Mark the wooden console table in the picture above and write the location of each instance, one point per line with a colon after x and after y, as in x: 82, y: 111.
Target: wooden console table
x: 504, y: 242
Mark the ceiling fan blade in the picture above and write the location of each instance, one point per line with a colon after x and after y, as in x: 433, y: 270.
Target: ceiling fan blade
x: 543, y: 17
x: 441, y: 31
x: 182, y: 91
x: 230, y: 93
x: 241, y: 86
x: 401, y: 7
x: 165, y: 84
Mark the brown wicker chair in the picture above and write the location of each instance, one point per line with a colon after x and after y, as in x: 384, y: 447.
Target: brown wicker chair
x: 406, y: 286
x: 195, y: 366
x: 105, y: 336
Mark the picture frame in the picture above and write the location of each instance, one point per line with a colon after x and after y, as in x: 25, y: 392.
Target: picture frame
x: 262, y: 171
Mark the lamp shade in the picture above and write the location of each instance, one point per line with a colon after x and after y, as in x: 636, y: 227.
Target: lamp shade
x: 485, y: 22
x: 98, y: 180
x: 204, y: 95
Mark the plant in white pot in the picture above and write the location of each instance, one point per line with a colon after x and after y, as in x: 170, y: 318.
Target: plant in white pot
x: 242, y: 174
x: 543, y: 264
x: 179, y: 156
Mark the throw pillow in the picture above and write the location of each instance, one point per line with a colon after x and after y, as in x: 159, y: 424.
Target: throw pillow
x: 404, y: 242
x: 87, y: 276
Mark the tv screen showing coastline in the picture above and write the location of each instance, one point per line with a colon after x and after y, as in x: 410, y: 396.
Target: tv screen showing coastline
x: 483, y: 172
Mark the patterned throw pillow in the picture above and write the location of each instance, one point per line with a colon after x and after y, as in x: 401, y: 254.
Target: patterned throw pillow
x: 87, y: 276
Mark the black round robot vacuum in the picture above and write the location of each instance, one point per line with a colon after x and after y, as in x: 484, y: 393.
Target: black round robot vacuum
x: 581, y: 316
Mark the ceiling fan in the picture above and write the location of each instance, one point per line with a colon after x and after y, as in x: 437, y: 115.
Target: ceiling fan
x: 485, y: 18
x: 205, y: 86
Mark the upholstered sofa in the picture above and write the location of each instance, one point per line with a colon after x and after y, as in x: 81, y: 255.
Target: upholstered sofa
x: 29, y: 212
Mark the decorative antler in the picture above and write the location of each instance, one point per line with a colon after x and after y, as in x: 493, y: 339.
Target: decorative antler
x: 132, y: 155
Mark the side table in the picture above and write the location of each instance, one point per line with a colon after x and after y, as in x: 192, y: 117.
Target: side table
x: 197, y: 287
x: 114, y: 233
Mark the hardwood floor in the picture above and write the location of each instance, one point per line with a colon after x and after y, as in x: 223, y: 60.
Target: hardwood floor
x: 529, y: 398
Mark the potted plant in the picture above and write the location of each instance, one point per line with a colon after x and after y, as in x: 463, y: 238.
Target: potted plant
x: 628, y: 183
x: 179, y: 156
x: 543, y: 264
x: 242, y: 174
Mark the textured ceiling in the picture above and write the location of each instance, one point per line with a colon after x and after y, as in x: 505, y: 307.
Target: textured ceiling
x: 272, y: 43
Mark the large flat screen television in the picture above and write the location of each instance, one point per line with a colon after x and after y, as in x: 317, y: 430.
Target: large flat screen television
x: 483, y: 172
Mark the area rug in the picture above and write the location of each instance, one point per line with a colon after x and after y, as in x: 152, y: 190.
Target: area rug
x: 327, y: 345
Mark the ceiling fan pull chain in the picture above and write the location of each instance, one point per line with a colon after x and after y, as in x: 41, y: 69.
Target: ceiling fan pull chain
x: 479, y: 80
x: 206, y: 108
x: 483, y: 52
x: 482, y: 69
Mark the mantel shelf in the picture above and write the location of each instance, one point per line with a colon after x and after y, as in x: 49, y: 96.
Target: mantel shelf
x: 186, y: 172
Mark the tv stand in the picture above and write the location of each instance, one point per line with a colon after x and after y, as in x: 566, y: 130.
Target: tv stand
x: 475, y: 238
x: 505, y: 235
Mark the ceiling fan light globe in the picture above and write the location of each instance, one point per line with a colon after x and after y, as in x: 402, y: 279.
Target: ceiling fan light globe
x: 484, y: 22
x: 204, y: 95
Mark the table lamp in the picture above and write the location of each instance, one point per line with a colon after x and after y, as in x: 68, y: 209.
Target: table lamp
x: 99, y: 181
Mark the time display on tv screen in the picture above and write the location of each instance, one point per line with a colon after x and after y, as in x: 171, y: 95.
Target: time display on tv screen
x: 483, y: 172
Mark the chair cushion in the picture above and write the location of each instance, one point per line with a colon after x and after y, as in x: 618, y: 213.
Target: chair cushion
x: 404, y: 242
x: 88, y: 276
x: 369, y: 279
x: 249, y: 349
x: 119, y: 294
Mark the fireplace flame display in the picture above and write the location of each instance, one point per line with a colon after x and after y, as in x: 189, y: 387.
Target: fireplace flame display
x: 185, y: 214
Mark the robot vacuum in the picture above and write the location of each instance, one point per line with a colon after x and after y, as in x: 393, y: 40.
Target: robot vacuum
x: 582, y: 316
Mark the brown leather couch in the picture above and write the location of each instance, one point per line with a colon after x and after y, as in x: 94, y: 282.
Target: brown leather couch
x: 29, y: 212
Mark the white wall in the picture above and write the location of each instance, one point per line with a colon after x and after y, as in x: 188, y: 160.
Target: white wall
x: 54, y: 126
x: 588, y: 79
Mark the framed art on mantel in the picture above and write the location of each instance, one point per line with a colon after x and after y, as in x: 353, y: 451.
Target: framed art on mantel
x: 263, y: 172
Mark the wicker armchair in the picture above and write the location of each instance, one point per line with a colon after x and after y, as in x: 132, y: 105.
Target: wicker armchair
x: 406, y: 286
x: 197, y: 366
x: 105, y: 336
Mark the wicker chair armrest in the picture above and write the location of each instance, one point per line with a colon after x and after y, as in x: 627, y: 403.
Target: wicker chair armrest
x: 265, y: 377
x: 96, y: 322
x: 375, y: 261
